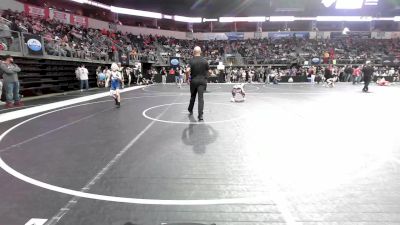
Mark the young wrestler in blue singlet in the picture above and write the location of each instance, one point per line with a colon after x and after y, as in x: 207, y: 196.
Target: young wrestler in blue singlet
x: 114, y: 79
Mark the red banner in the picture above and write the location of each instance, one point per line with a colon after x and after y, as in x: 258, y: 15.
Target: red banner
x: 36, y: 11
x: 56, y: 15
x: 79, y: 20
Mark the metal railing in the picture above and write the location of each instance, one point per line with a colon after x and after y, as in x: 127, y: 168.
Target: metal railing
x: 13, y: 42
x: 54, y: 47
x: 10, y: 41
x: 265, y: 61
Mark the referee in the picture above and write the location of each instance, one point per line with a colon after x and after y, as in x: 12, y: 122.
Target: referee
x: 368, y: 71
x: 198, y: 70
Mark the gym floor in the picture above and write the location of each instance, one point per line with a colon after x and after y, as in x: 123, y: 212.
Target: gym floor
x: 291, y: 154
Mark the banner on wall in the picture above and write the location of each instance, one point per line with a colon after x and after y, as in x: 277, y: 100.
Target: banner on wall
x: 34, y: 44
x: 279, y: 35
x: 56, y: 15
x: 358, y: 35
x: 62, y: 17
x: 235, y: 35
x: 381, y: 35
x: 112, y: 26
x: 189, y: 35
x: 395, y: 35
x: 390, y: 61
x: 36, y: 11
x: 315, y: 61
x: 79, y: 20
x: 322, y: 35
x: 257, y: 35
x: 174, y: 62
x: 214, y: 36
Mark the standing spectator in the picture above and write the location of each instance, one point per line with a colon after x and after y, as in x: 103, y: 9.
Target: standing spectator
x: 181, y: 74
x: 172, y: 72
x: 129, y: 71
x: 356, y: 75
x: 348, y: 72
x: 1, y: 84
x: 139, y: 76
x: 10, y: 76
x: 311, y: 71
x: 111, y: 53
x: 82, y: 74
x: 163, y: 73
x: 176, y: 72
x: 267, y: 72
x: 121, y: 70
x: 391, y: 72
x: 396, y: 76
x: 101, y: 77
x: 327, y: 75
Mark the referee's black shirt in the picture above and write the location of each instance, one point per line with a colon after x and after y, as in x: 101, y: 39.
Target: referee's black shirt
x: 368, y: 71
x: 198, y: 68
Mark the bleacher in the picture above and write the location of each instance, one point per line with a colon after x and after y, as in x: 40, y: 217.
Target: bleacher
x: 43, y: 76
x: 67, y: 47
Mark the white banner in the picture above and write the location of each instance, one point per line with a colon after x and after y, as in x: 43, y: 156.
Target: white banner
x: 215, y: 36
x: 60, y: 16
x: 381, y: 35
x: 79, y: 20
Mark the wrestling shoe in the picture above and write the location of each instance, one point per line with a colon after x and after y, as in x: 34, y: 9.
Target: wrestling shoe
x: 18, y: 104
x: 8, y: 105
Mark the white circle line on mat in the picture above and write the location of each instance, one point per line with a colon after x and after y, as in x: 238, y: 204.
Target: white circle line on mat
x: 81, y: 194
x: 174, y: 87
x: 145, y: 114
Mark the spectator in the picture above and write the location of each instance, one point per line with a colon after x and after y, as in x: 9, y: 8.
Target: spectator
x: 163, y: 73
x: 128, y: 72
x: 1, y: 85
x: 101, y: 77
x: 348, y: 72
x: 10, y: 72
x: 356, y: 75
x: 82, y: 74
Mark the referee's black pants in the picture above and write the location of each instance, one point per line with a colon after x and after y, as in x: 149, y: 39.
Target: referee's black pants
x: 197, y: 87
x: 367, y: 80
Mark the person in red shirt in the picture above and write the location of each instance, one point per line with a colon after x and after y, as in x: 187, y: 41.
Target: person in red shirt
x: 356, y: 75
x: 172, y: 72
x: 311, y: 72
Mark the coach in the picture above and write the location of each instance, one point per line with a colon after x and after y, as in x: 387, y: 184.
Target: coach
x: 198, y: 70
